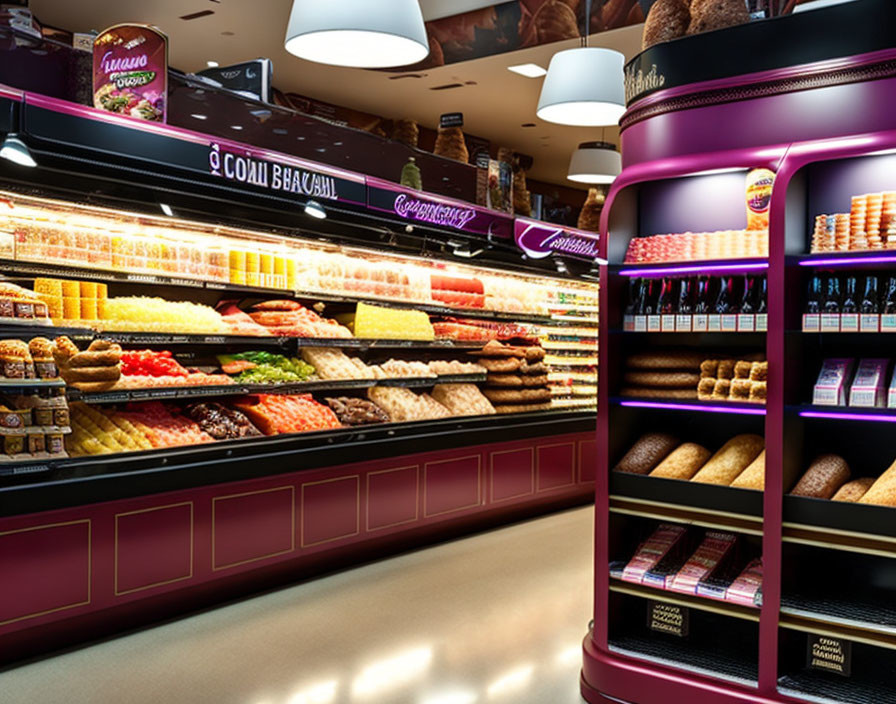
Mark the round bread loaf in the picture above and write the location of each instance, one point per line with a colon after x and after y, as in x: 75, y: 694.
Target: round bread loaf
x: 673, y: 394
x: 853, y: 491
x: 664, y: 380
x: 673, y: 359
x: 683, y: 462
x: 825, y: 476
x: 647, y: 453
x: 707, y: 15
x: 667, y: 20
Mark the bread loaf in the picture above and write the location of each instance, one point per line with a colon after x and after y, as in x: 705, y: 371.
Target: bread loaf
x: 647, y: 453
x: 683, y: 462
x: 663, y: 394
x: 665, y: 380
x: 753, y: 477
x: 665, y: 360
x: 734, y: 457
x: 667, y: 20
x: 707, y: 15
x: 853, y: 491
x: 883, y: 491
x: 825, y: 476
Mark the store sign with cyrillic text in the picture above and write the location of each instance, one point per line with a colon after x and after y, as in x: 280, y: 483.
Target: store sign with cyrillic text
x: 539, y: 240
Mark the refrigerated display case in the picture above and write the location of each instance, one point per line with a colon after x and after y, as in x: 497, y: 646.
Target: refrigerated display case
x: 819, y: 628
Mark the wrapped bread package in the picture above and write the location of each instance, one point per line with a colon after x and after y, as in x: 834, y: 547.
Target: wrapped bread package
x: 883, y: 491
x: 683, y: 462
x: 734, y: 457
x: 825, y: 476
x: 712, y: 557
x: 853, y: 491
x: 746, y: 589
x: 647, y: 453
x: 666, y: 542
x: 753, y: 477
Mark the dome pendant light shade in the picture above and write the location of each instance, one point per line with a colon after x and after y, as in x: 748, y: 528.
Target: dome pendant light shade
x: 584, y: 87
x: 595, y: 162
x: 15, y: 150
x: 358, y: 33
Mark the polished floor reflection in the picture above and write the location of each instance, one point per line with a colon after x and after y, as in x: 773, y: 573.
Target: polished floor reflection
x: 495, y: 618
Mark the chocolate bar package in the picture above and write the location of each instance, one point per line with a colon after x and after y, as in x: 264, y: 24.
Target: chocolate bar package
x: 666, y: 540
x: 747, y: 588
x: 712, y: 557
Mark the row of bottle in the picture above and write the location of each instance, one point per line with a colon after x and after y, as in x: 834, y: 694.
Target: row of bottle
x: 737, y: 303
x: 833, y: 304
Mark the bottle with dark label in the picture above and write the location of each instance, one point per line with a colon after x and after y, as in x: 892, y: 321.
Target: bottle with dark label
x: 666, y: 304
x: 888, y: 318
x: 702, y: 305
x: 850, y: 304
x: 650, y: 298
x: 628, y: 315
x: 723, y: 304
x: 832, y: 297
x: 869, y: 320
x: 815, y: 296
x: 761, y: 305
x: 686, y: 297
x: 748, y: 301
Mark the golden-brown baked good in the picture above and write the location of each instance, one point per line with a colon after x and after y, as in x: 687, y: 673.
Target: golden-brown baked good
x: 535, y: 353
x: 537, y: 368
x: 450, y: 143
x: 517, y: 395
x: 41, y: 348
x: 504, y: 408
x: 497, y: 349
x: 462, y: 399
x: 665, y: 380
x: 655, y: 393
x: 683, y: 462
x: 665, y: 360
x: 740, y: 389
x: 753, y: 477
x: 708, y: 15
x: 883, y: 491
x: 500, y: 365
x: 555, y: 21
x: 511, y: 380
x: 106, y: 358
x: 721, y: 389
x: 825, y: 476
x: 535, y: 380
x: 726, y: 369
x: 666, y: 20
x: 406, y: 132
x: 705, y: 388
x: 759, y: 371
x: 647, y: 453
x: 853, y: 491
x: 742, y: 369
x: 709, y: 368
x: 732, y: 459
x: 94, y: 387
x: 758, y: 391
x: 63, y: 350
x: 589, y: 217
x: 91, y: 374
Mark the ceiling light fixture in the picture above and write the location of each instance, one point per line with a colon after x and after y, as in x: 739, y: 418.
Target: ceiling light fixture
x: 166, y: 209
x: 212, y: 64
x: 528, y: 70
x: 357, y: 33
x: 15, y: 150
x: 585, y: 86
x: 315, y: 210
x: 595, y: 162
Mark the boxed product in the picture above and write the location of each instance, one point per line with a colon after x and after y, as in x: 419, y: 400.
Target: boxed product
x: 833, y: 380
x: 867, y: 390
x: 712, y: 557
x: 667, y: 541
x: 747, y: 588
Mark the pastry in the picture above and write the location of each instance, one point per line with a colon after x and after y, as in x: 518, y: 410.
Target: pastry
x: 721, y: 389
x: 533, y: 368
x: 450, y: 143
x: 708, y: 15
x: 647, y: 453
x: 853, y: 491
x: 825, y: 476
x: 709, y: 368
x: 517, y: 396
x: 683, y: 462
x: 758, y: 391
x: 666, y: 20
x: 91, y: 374
x: 759, y: 371
x: 883, y: 491
x: 530, y: 380
x: 732, y: 459
x: 753, y: 477
x: 406, y: 132
x: 666, y: 380
x: 652, y: 393
x: 665, y: 360
x: 498, y: 349
x: 107, y: 358
x: 462, y: 399
x: 742, y: 369
x: 512, y: 380
x: 534, y: 353
x: 501, y: 365
x: 726, y: 369
x: 740, y: 389
x: 705, y: 388
x: 554, y: 21
x: 503, y: 409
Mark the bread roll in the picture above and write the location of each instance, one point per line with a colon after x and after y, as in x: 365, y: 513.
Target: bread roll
x: 853, y: 491
x: 753, y: 477
x: 883, y: 491
x: 740, y: 389
x: 705, y: 388
x: 726, y: 369
x: 683, y: 462
x: 647, y: 453
x: 825, y: 475
x: 709, y: 368
x: 742, y: 369
x: 759, y: 371
x: 721, y: 389
x: 734, y: 457
x: 667, y: 20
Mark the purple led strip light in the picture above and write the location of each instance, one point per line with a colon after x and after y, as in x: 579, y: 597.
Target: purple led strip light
x: 849, y: 416
x: 694, y: 407
x: 879, y: 259
x: 688, y: 269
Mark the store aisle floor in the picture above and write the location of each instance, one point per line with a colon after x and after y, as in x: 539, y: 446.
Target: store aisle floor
x: 498, y: 617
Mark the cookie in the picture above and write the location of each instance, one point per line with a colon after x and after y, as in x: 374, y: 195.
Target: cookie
x: 534, y: 354
x: 536, y: 368
x: 517, y: 396
x: 513, y: 380
x: 501, y: 365
x: 496, y: 349
x: 538, y: 380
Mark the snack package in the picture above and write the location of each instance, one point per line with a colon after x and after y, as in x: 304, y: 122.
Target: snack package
x: 747, y: 588
x: 713, y: 555
x: 663, y: 543
x: 867, y: 390
x: 833, y: 380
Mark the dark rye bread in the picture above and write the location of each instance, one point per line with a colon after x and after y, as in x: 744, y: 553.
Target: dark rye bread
x: 825, y: 476
x: 647, y: 453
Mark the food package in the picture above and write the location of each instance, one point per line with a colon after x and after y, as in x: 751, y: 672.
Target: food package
x: 357, y: 411
x: 746, y: 589
x: 883, y: 491
x: 274, y: 414
x: 377, y: 323
x: 753, y: 477
x: 666, y: 20
x: 220, y: 422
x: 825, y: 476
x: 833, y: 381
x: 463, y: 399
x: 332, y: 363
x: 713, y: 556
x: 732, y: 459
x: 403, y: 405
x: 867, y: 389
x: 666, y: 542
x: 647, y: 453
x: 853, y: 491
x: 683, y: 462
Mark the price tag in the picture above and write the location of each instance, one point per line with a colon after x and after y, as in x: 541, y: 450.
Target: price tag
x: 829, y: 655
x: 683, y: 323
x: 762, y: 322
x: 214, y: 340
x: 668, y: 618
x: 812, y: 322
x: 31, y: 469
x: 653, y: 323
x: 667, y: 323
x: 714, y: 323
x: 451, y: 119
x: 869, y: 322
x: 729, y: 323
x: 849, y: 322
x: 888, y: 323
x: 628, y: 323
x: 830, y: 322
x: 700, y: 323
x: 746, y: 322
x: 640, y: 323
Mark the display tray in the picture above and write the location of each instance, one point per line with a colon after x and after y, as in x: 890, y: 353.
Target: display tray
x: 353, y: 343
x: 823, y: 688
x: 849, y: 413
x: 708, y: 267
x: 196, y: 392
x: 694, y: 658
x: 876, y: 616
x: 691, y: 405
x: 828, y: 520
x: 877, y: 259
x: 692, y: 601
x: 744, y: 503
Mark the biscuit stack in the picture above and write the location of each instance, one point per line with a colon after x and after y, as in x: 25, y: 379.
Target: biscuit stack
x: 517, y: 380
x: 742, y: 380
x: 664, y: 375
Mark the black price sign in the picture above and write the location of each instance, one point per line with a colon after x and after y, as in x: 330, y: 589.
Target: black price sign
x: 829, y: 655
x: 668, y: 618
x: 451, y: 119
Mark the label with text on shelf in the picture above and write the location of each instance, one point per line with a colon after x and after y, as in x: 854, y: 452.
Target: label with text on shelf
x: 830, y: 322
x: 653, y: 323
x: 762, y: 322
x: 829, y: 655
x: 812, y: 322
x: 746, y: 322
x: 628, y: 323
x: 869, y: 322
x: 888, y: 323
x: 640, y: 323
x: 700, y: 323
x: 667, y: 323
x: 849, y: 322
x: 668, y: 618
x: 695, y: 323
x: 683, y: 323
x: 729, y: 323
x: 713, y: 323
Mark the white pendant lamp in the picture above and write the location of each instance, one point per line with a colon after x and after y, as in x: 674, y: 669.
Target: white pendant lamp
x: 357, y: 33
x: 595, y: 162
x: 15, y: 150
x: 584, y: 87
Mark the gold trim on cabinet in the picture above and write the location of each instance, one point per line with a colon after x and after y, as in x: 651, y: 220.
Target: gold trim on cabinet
x: 538, y: 466
x: 292, y: 532
x: 416, y: 517
x: 692, y: 602
x: 357, y: 478
x: 856, y: 635
x: 167, y: 581
x: 478, y: 458
x: 491, y: 474
x: 750, y: 525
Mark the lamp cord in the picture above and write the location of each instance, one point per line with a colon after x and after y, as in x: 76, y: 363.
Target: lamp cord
x: 587, y: 27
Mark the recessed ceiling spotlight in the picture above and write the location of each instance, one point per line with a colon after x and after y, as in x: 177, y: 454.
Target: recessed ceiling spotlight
x: 236, y: 127
x: 212, y: 64
x: 315, y: 210
x: 199, y: 116
x: 528, y: 70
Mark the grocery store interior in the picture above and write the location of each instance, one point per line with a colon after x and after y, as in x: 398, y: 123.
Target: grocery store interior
x: 447, y: 351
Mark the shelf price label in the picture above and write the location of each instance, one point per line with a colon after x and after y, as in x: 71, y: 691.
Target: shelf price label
x: 668, y: 618
x: 829, y: 655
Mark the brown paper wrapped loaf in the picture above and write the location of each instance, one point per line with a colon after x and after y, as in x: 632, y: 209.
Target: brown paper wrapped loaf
x: 667, y: 20
x: 647, y: 453
x: 853, y: 491
x: 825, y: 475
x: 883, y: 491
x: 734, y: 457
x: 683, y: 462
x: 753, y: 477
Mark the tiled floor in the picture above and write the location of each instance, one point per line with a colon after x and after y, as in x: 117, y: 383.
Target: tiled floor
x: 493, y: 619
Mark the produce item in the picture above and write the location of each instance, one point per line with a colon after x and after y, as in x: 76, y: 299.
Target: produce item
x: 453, y: 367
x: 450, y: 143
x: 151, y: 363
x: 711, y: 558
x: 825, y: 476
x: 853, y: 491
x: 753, y: 477
x: 746, y: 589
x: 261, y: 367
x: 357, y: 411
x: 654, y: 393
x: 96, y: 369
x: 833, y: 381
x: 647, y: 453
x: 276, y: 414
x: 463, y: 399
x: 650, y: 361
x: 377, y: 323
x: 666, y: 20
x: 404, y: 405
x: 683, y: 462
x: 332, y: 363
x: 220, y: 422
x: 666, y: 543
x: 164, y: 426
x: 142, y: 314
x: 291, y: 319
x: 239, y: 322
x: 666, y: 380
x: 401, y: 369
x: 732, y: 459
x: 883, y: 491
x: 868, y: 385
x: 709, y: 15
